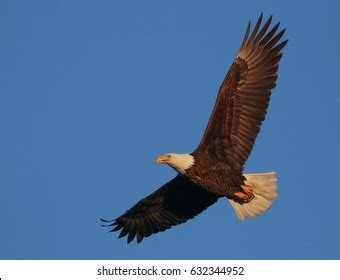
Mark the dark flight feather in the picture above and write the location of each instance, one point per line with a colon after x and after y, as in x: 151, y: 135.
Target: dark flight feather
x: 174, y: 203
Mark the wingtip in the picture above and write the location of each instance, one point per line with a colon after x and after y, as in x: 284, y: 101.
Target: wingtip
x: 139, y: 238
x: 248, y: 27
x: 107, y: 221
x: 276, y: 26
x: 284, y: 43
x: 116, y: 228
x: 270, y: 19
x: 123, y: 233
x: 112, y: 223
x: 129, y: 240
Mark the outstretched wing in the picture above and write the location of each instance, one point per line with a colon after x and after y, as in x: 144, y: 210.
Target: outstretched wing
x: 174, y: 203
x: 244, y: 96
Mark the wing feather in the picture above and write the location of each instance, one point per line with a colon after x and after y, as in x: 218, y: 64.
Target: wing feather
x: 244, y: 95
x: 264, y: 29
x: 256, y: 28
x: 174, y: 203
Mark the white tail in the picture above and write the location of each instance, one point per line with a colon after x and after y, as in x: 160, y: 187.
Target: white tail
x: 264, y: 189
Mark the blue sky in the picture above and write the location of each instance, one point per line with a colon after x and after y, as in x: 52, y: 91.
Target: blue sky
x: 93, y: 91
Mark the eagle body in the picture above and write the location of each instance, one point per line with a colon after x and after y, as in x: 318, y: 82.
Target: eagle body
x: 215, y: 169
x: 215, y: 176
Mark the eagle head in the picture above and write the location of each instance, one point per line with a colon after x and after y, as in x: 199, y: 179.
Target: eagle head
x: 180, y: 162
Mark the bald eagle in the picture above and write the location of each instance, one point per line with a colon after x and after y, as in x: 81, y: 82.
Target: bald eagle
x: 215, y: 168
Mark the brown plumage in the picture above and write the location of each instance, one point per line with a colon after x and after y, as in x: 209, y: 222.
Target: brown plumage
x: 215, y: 168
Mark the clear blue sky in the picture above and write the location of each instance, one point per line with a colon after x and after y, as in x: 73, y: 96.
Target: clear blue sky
x: 92, y: 91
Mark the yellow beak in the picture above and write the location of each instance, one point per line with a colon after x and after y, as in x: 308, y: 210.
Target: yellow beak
x: 163, y: 159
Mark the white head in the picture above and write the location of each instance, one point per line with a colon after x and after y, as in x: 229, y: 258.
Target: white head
x: 180, y: 162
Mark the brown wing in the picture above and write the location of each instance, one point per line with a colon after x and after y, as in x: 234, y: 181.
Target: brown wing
x: 174, y: 203
x: 244, y: 96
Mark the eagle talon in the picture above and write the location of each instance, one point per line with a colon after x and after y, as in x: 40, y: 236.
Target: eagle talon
x: 247, y: 190
x: 245, y: 195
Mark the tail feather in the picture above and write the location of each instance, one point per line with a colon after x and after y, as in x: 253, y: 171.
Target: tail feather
x: 264, y: 189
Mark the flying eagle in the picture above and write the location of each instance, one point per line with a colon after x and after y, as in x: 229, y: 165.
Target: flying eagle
x: 215, y: 168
